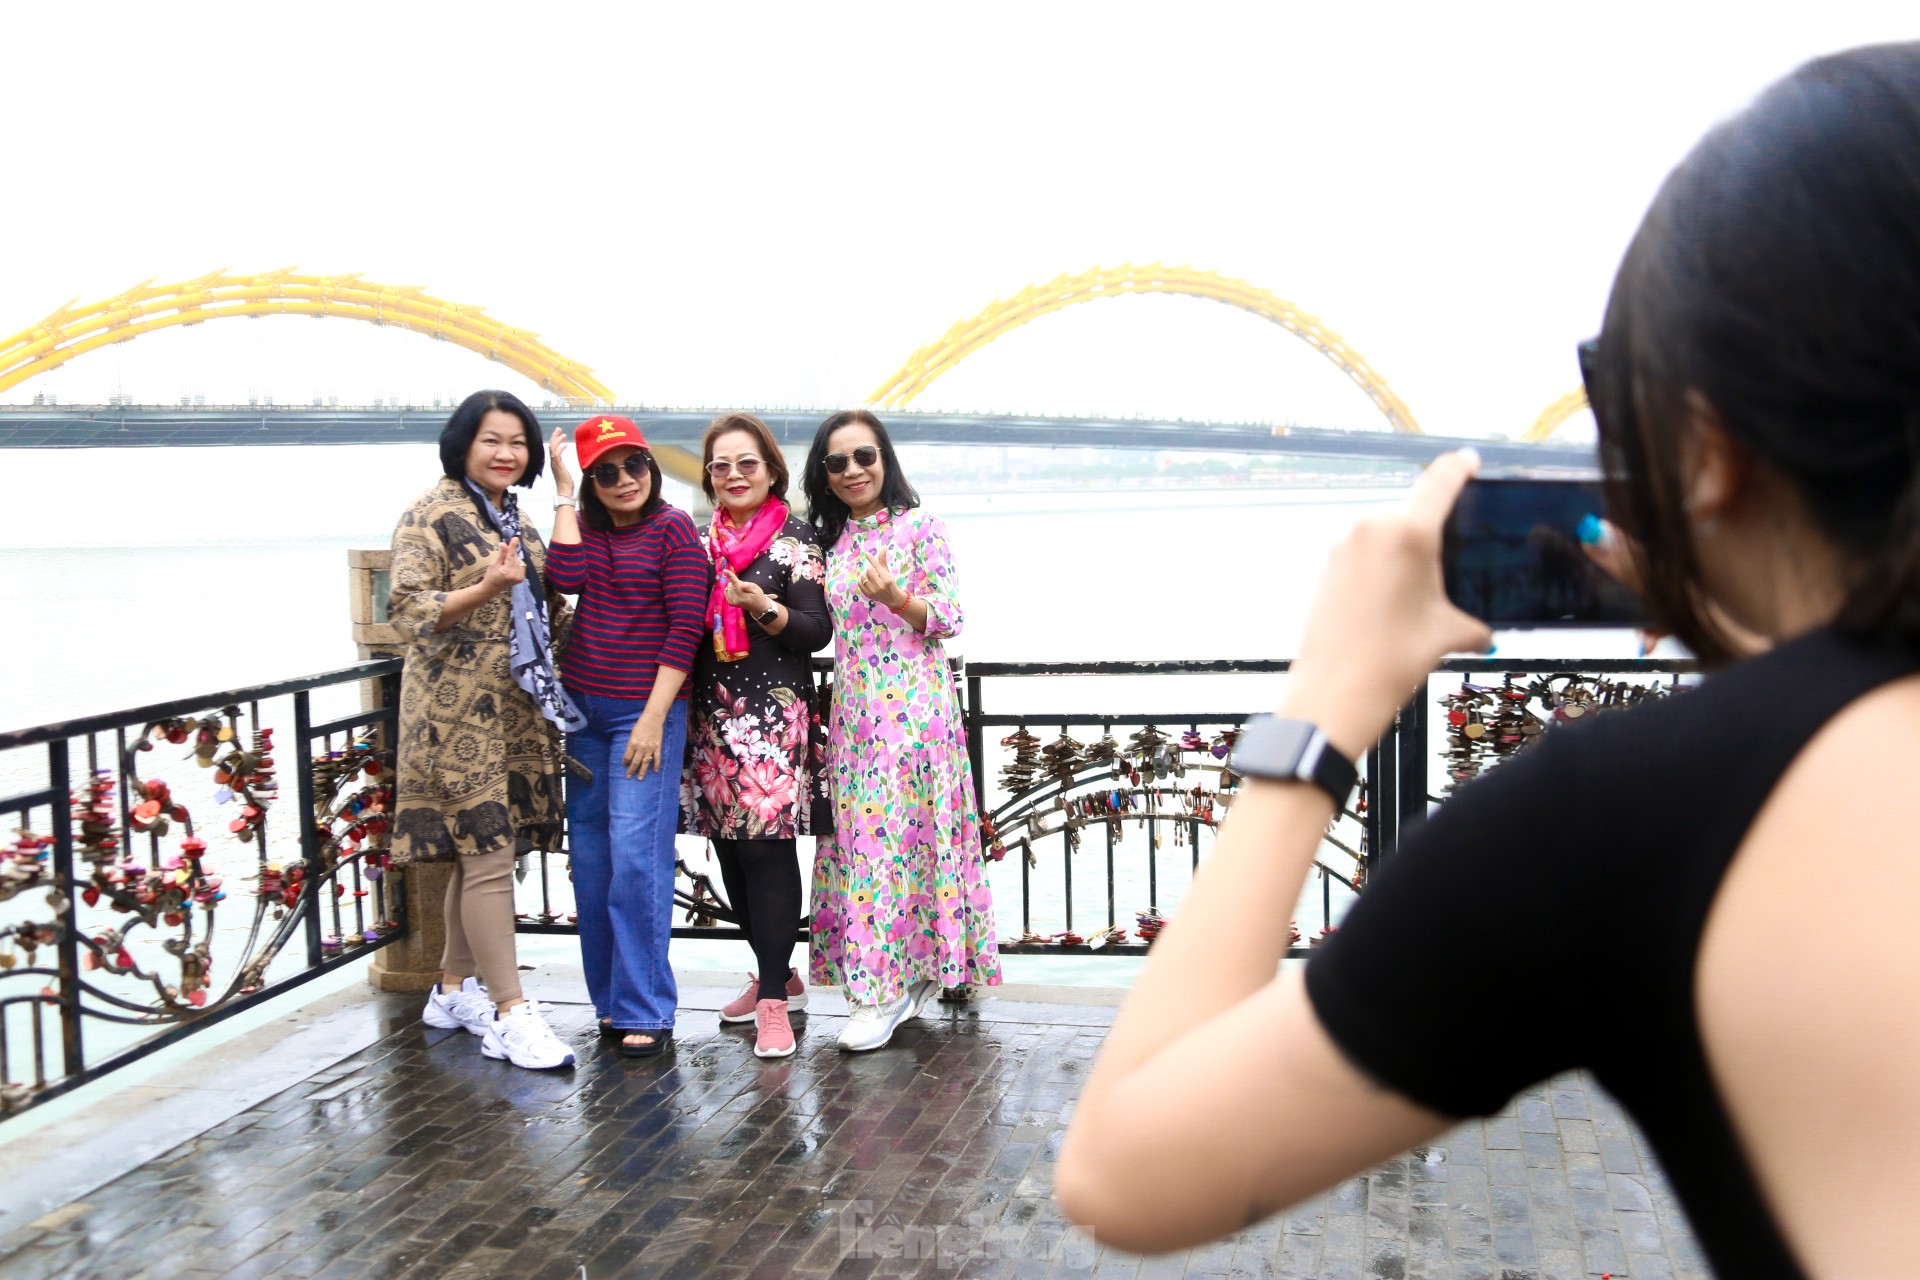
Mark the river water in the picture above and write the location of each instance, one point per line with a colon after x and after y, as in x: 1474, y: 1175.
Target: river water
x: 154, y: 574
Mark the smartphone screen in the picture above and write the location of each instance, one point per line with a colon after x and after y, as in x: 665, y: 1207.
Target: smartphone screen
x: 1512, y: 557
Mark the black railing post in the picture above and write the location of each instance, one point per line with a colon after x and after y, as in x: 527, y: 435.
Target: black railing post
x: 1370, y: 820
x: 1414, y: 749
x: 61, y: 785
x: 976, y: 745
x: 1026, y: 891
x: 309, y: 833
x: 1108, y: 826
x: 1383, y: 793
x: 393, y: 888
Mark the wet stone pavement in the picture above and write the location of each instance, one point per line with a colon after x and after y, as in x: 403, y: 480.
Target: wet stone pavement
x: 417, y: 1157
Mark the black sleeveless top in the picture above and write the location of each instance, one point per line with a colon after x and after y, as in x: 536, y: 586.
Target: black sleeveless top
x: 1548, y: 917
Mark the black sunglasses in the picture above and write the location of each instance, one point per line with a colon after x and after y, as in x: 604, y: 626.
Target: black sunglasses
x: 607, y: 474
x: 866, y: 455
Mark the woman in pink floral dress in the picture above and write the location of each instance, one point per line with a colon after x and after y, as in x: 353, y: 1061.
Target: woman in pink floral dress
x: 901, y: 905
x: 752, y: 780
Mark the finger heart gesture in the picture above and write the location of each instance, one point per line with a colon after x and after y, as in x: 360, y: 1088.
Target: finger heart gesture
x: 877, y: 582
x: 741, y: 594
x: 506, y: 569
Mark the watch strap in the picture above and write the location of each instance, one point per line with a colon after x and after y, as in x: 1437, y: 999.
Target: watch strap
x: 1283, y: 750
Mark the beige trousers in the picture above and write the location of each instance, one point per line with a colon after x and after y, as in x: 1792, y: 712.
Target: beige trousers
x: 479, y: 915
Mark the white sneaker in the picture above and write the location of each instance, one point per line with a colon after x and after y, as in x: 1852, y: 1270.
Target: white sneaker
x: 469, y: 1007
x: 872, y: 1025
x: 924, y: 992
x: 523, y: 1038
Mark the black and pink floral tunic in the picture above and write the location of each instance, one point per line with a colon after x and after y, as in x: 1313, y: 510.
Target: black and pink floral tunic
x: 753, y: 753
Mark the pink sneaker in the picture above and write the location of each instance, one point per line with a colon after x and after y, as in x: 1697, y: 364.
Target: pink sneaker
x: 775, y: 1039
x: 744, y: 1007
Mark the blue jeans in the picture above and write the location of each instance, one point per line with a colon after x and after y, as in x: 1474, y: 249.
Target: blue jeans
x: 620, y: 835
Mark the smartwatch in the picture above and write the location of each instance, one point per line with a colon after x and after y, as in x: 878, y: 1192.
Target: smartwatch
x: 1281, y: 750
x: 772, y: 614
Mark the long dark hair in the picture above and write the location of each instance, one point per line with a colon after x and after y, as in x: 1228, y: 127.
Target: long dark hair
x: 828, y: 513
x: 1777, y: 278
x: 456, y: 438
x: 594, y: 513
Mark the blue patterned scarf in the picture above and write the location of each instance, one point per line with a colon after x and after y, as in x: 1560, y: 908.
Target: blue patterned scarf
x: 530, y: 642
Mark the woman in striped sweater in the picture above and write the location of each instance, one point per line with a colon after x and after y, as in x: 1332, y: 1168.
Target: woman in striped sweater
x: 642, y: 578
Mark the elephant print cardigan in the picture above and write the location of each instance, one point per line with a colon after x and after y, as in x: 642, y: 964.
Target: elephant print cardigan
x: 478, y: 764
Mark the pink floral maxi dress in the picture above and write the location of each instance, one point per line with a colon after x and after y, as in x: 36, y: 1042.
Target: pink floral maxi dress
x: 899, y: 893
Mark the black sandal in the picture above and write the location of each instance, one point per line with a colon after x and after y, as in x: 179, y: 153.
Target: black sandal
x: 662, y: 1041
x: 608, y: 1031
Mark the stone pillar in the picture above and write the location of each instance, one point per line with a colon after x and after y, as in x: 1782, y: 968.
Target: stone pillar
x: 413, y: 963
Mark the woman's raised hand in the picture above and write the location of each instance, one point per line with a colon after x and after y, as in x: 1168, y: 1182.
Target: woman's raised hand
x: 1381, y: 618
x: 878, y: 584
x: 506, y: 569
x: 744, y: 595
x: 556, y: 450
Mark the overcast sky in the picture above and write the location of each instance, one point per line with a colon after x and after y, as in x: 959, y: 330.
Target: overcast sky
x: 740, y: 205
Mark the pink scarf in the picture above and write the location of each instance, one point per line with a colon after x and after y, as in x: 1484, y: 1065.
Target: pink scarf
x: 735, y: 549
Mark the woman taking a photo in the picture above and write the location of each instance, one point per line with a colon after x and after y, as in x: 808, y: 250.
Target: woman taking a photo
x: 749, y: 784
x: 1757, y: 390
x: 641, y: 577
x: 480, y: 714
x: 901, y: 905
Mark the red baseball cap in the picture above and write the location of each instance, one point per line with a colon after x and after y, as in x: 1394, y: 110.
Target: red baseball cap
x: 608, y: 431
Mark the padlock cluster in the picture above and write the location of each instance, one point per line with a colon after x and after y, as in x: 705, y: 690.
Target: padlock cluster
x: 1062, y: 757
x: 1022, y: 773
x: 1486, y: 724
x: 24, y: 863
x: 248, y: 777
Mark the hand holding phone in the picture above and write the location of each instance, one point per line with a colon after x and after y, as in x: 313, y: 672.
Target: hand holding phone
x: 1380, y: 618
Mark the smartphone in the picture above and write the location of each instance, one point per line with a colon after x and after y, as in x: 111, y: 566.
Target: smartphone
x: 1512, y: 557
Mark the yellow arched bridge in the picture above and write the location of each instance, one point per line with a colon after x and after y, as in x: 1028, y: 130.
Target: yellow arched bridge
x: 1036, y: 300
x: 76, y: 329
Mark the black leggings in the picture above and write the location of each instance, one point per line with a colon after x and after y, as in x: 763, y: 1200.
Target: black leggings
x: 762, y: 878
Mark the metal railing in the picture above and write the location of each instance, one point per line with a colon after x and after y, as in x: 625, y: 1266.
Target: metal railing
x: 113, y: 943
x: 148, y: 892
x: 1166, y: 782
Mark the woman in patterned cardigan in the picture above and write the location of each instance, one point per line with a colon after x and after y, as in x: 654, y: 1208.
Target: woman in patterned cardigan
x: 478, y: 767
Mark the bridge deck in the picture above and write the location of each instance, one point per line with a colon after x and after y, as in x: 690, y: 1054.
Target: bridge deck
x: 414, y: 1156
x: 153, y: 426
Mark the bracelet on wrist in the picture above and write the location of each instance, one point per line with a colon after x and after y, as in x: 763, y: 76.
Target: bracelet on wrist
x: 565, y: 500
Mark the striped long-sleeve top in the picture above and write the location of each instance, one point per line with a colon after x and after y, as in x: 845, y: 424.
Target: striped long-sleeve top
x: 643, y: 601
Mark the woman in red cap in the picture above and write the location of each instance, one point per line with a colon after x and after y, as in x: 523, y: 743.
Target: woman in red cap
x: 642, y: 576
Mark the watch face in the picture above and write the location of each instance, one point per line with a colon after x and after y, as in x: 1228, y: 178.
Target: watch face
x: 1281, y: 743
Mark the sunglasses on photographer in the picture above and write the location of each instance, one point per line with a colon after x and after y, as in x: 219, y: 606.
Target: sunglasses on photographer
x: 607, y: 474
x: 866, y: 455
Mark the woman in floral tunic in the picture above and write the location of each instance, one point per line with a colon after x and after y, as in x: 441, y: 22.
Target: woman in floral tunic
x: 901, y: 905
x: 751, y: 776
